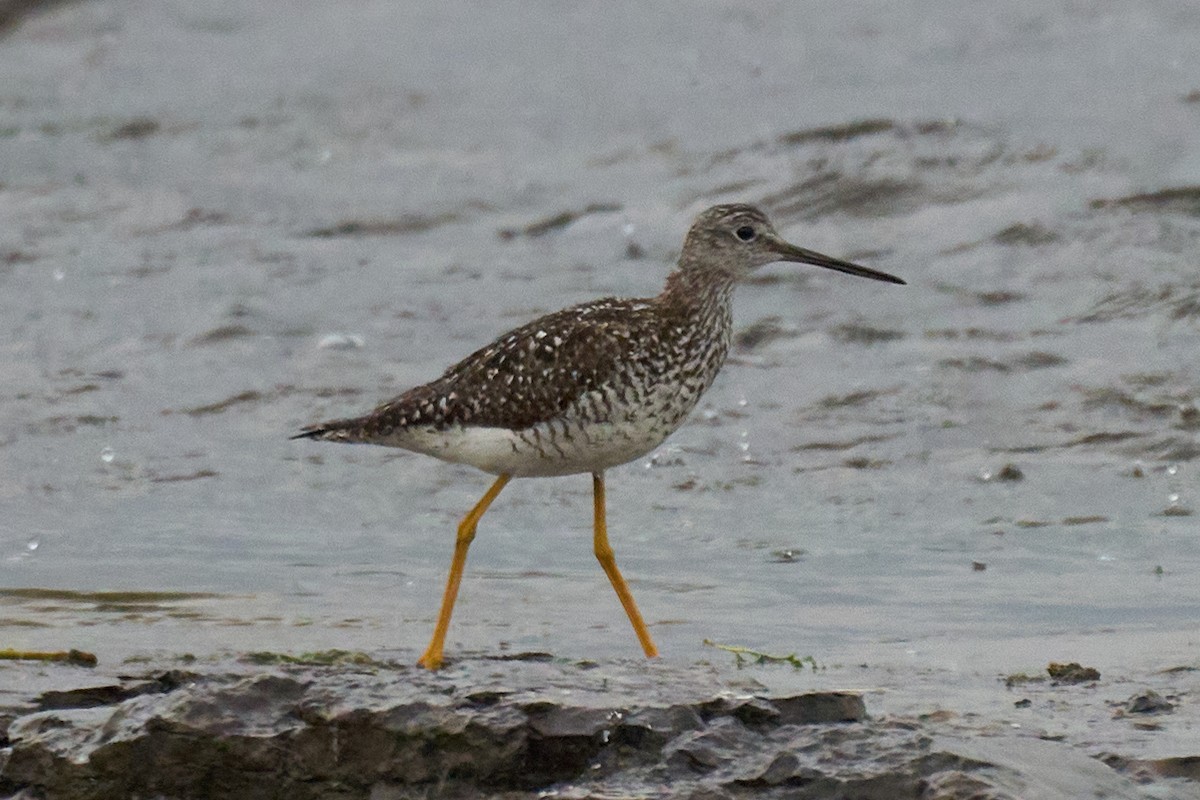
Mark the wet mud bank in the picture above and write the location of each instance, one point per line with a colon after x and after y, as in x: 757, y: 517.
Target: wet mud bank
x: 527, y: 727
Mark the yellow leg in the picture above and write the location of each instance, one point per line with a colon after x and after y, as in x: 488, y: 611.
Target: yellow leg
x: 604, y: 554
x: 466, y: 533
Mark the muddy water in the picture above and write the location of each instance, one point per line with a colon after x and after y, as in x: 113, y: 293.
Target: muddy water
x: 218, y: 223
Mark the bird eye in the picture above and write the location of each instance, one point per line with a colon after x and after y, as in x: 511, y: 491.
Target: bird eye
x: 746, y: 233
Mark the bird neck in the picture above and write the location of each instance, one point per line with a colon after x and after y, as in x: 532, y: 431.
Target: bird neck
x: 696, y: 309
x: 698, y: 293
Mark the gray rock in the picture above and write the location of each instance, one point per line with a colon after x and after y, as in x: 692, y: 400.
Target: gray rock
x: 1148, y: 702
x: 510, y: 729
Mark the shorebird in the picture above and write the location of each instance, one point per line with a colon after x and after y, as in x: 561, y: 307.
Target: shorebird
x: 585, y: 388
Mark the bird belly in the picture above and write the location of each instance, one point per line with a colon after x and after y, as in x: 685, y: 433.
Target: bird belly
x: 549, y: 449
x: 598, y: 432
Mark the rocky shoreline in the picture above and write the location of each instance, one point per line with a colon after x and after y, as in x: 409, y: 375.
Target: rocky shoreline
x: 521, y: 727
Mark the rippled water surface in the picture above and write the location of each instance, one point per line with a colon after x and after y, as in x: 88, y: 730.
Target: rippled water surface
x: 221, y: 222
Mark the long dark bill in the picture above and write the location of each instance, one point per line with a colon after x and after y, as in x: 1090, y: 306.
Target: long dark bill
x: 790, y: 252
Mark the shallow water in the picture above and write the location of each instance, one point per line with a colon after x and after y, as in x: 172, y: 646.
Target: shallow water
x: 218, y: 223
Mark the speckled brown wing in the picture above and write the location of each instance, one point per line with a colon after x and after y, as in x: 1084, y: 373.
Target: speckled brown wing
x: 529, y: 375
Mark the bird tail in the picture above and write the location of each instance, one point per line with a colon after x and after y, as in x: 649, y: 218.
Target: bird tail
x: 334, y: 430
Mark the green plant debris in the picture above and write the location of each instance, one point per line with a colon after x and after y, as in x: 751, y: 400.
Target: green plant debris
x: 12, y: 622
x: 320, y: 658
x: 1021, y: 678
x: 745, y: 655
x: 77, y: 657
x: 67, y: 595
x: 1072, y: 673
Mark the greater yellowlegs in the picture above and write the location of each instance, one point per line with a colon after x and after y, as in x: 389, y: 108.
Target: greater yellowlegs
x: 585, y: 388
